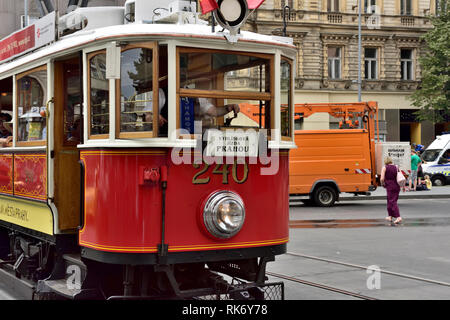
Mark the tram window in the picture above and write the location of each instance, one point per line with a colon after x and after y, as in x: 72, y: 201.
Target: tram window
x: 6, y: 94
x: 136, y: 92
x: 252, y: 113
x: 286, y: 97
x: 224, y: 71
x: 216, y: 84
x: 99, y: 96
x: 72, y: 105
x: 31, y: 100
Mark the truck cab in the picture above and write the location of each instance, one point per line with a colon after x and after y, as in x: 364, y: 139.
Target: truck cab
x: 436, y: 160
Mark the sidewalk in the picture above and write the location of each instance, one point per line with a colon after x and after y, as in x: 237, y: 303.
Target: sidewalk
x: 380, y: 194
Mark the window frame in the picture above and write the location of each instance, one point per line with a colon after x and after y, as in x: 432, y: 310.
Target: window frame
x: 290, y: 102
x: 155, y: 86
x: 16, y: 107
x: 331, y: 6
x: 404, y: 65
x: 223, y: 94
x: 368, y: 4
x: 88, y: 62
x: 404, y: 7
x: 333, y: 60
x: 371, y: 60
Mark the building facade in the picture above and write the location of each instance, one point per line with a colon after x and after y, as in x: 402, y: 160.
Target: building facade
x: 326, y: 35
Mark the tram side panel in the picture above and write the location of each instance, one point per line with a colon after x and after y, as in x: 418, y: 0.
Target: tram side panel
x: 124, y: 215
x: 23, y: 192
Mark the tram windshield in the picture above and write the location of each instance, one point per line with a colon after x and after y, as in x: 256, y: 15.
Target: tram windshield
x: 225, y: 89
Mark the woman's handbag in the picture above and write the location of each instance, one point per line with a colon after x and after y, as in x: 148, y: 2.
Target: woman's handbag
x: 401, y: 180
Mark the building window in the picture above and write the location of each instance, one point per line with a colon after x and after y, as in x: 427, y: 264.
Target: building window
x: 405, y: 7
x: 441, y: 6
x: 406, y: 63
x: 370, y: 5
x: 333, y: 5
x: 289, y: 3
x: 334, y: 63
x: 370, y: 63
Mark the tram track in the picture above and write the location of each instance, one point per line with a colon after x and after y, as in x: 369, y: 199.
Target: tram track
x: 350, y: 265
x: 320, y: 286
x: 391, y: 273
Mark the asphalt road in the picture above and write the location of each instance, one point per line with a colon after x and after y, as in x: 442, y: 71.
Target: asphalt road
x: 355, y: 232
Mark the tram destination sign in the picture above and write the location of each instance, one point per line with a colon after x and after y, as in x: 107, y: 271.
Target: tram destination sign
x: 38, y: 34
x: 232, y: 143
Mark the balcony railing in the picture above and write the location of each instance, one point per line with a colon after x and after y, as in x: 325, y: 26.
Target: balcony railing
x: 407, y: 21
x: 334, y: 18
x: 370, y: 21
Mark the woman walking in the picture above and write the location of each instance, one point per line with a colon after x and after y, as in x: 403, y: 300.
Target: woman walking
x: 389, y: 181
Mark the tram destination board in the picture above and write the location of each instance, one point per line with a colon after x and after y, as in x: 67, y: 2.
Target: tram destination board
x: 232, y: 143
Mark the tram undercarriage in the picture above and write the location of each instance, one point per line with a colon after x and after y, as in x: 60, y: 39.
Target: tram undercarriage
x: 59, y: 274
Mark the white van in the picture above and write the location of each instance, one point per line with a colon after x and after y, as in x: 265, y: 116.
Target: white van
x: 436, y: 160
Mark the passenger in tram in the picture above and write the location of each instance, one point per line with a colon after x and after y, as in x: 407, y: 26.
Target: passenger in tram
x: 163, y: 112
x: 5, y: 129
x: 206, y: 111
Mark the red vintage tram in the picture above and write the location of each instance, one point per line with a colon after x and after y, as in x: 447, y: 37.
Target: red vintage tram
x: 149, y: 158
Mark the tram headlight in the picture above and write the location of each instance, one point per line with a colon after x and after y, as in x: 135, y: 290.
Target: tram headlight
x: 224, y: 214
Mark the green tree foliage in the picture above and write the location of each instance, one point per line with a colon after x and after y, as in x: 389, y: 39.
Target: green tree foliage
x: 433, y: 97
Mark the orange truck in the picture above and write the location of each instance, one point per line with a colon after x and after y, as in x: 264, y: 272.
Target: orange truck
x: 329, y: 162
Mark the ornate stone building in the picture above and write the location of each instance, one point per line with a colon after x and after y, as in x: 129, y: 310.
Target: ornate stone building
x: 326, y: 35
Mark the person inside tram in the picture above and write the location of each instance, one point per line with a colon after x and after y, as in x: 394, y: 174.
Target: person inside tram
x: 5, y: 129
x: 163, y: 111
x: 206, y: 111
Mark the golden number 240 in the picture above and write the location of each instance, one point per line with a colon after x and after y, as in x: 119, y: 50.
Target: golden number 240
x: 220, y: 169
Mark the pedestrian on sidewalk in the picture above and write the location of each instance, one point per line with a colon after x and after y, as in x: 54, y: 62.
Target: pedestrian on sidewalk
x: 415, y: 162
x: 389, y: 181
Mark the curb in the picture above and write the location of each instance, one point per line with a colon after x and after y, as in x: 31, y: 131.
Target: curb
x: 363, y: 198
x: 425, y: 196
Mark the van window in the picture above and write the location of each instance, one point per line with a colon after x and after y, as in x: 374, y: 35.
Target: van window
x: 431, y: 155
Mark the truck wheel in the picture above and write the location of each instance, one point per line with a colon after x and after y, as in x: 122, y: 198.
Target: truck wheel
x: 438, y: 181
x: 325, y: 196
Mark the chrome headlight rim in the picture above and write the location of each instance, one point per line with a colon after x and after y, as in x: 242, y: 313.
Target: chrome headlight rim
x: 210, y: 213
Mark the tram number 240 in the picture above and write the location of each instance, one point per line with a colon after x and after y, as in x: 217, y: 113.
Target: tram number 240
x: 203, y: 176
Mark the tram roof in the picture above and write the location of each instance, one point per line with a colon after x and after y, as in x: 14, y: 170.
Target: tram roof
x: 84, y: 38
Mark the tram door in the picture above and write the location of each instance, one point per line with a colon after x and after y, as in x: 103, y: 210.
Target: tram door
x: 68, y: 134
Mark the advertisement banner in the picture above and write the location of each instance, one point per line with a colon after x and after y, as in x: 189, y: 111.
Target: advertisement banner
x: 39, y: 34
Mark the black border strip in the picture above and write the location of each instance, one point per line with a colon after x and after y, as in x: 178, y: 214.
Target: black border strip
x: 182, y: 257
